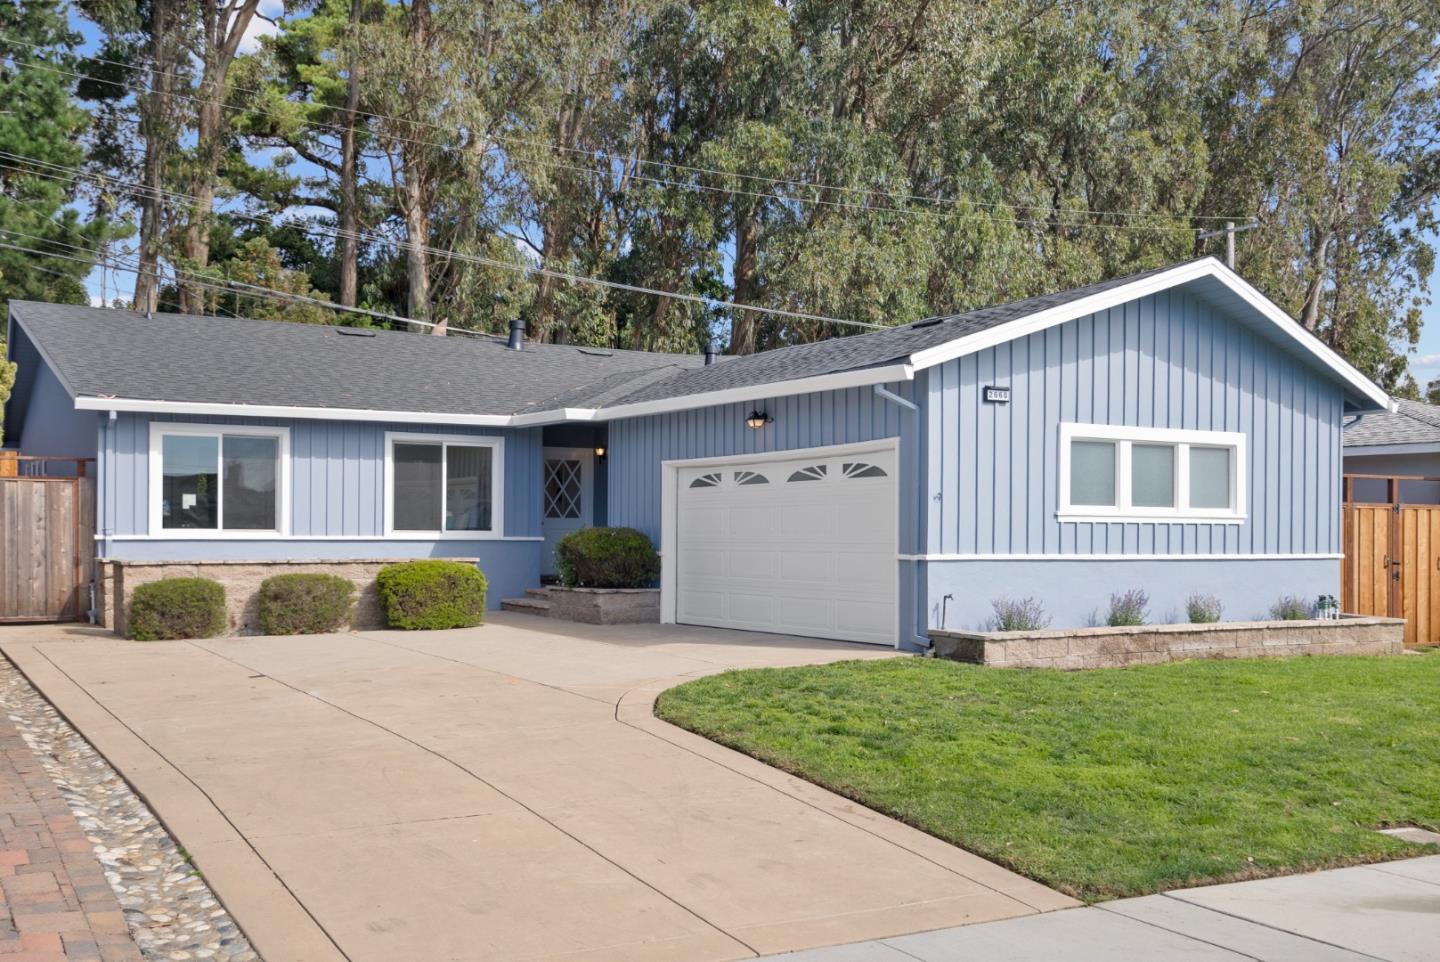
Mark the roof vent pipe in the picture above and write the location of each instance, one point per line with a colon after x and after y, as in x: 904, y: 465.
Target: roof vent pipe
x: 709, y: 354
x: 517, y: 335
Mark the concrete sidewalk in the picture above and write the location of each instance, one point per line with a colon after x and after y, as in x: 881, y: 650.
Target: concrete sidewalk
x: 1389, y: 911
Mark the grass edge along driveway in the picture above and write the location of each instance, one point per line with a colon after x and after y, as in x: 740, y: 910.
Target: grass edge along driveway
x: 1114, y: 782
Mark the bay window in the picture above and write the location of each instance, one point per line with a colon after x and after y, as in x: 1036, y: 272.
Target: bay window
x: 1110, y: 473
x: 217, y: 481
x: 445, y: 487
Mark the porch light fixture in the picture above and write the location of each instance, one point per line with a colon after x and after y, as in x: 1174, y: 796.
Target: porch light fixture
x: 599, y: 452
x: 757, y: 419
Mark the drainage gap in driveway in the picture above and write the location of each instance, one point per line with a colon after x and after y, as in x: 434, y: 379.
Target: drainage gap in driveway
x: 171, y: 912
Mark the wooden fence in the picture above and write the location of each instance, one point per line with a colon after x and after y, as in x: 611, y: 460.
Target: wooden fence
x: 47, y: 537
x: 1392, y: 557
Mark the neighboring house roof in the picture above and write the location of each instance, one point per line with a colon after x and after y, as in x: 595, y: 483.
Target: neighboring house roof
x: 1413, y: 427
x: 206, y: 365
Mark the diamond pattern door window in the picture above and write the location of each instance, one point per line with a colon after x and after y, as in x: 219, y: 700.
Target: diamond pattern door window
x: 562, y: 488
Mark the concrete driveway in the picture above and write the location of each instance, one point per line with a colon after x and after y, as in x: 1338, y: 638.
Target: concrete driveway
x: 498, y: 793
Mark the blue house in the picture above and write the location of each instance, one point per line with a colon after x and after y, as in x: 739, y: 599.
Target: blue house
x: 1172, y: 431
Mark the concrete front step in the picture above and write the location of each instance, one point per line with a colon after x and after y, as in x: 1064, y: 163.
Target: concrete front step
x: 529, y: 606
x: 542, y: 593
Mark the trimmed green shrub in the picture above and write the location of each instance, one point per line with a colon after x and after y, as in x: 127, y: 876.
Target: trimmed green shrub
x: 304, y: 604
x: 607, y: 558
x: 178, y: 608
x: 424, y: 595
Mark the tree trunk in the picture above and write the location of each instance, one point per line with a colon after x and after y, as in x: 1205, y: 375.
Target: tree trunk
x: 1314, y: 291
x: 224, y: 27
x: 742, y: 323
x: 349, y: 206
x: 155, y: 126
x: 417, y: 193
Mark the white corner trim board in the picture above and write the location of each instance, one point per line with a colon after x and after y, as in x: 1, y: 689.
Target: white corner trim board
x: 1120, y: 557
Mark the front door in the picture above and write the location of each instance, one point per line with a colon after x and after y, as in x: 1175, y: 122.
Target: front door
x: 568, y: 481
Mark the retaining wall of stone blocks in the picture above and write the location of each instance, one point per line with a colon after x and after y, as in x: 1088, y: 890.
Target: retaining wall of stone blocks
x: 117, y: 581
x: 1153, y: 644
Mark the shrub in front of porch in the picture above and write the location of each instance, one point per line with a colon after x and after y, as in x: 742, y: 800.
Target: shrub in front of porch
x: 175, y: 608
x: 304, y: 604
x: 607, y: 558
x: 431, y: 594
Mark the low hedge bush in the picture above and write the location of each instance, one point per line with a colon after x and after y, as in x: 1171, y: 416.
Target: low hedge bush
x: 304, y: 604
x: 178, y: 608
x: 431, y: 594
x: 607, y: 558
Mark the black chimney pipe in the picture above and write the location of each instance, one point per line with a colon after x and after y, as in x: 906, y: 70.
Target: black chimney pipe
x: 517, y: 335
x: 709, y: 354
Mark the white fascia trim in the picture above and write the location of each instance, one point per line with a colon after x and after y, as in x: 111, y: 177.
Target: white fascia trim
x: 286, y: 411
x: 310, y: 537
x: 1120, y: 557
x: 1365, y: 450
x: 1209, y: 267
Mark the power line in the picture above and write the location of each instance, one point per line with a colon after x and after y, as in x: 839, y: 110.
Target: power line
x: 608, y: 159
x: 339, y: 233
x: 226, y: 287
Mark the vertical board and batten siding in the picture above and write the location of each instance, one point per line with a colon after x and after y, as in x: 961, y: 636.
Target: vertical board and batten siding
x: 638, y: 446
x: 1165, y: 361
x: 337, y: 472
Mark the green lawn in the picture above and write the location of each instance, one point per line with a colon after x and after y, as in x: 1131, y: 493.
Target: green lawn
x: 1112, y: 782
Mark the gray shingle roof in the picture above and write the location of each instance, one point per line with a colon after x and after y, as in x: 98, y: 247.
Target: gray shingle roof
x: 173, y: 357
x: 1414, y: 423
x: 859, y: 351
x: 102, y: 352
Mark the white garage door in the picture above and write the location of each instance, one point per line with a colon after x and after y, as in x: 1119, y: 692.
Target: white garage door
x: 798, y: 546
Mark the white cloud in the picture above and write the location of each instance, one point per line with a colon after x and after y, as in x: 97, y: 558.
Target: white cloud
x: 262, y: 25
x: 1425, y: 361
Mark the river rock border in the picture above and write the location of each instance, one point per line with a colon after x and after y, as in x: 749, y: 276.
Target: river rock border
x: 170, y: 911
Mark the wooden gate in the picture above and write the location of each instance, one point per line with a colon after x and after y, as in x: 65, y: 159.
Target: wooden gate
x: 47, y: 538
x: 1392, y: 559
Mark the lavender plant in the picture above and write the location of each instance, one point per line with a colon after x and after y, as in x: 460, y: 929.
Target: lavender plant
x: 1203, y: 609
x: 1128, y: 608
x: 1291, y: 608
x: 1026, y: 614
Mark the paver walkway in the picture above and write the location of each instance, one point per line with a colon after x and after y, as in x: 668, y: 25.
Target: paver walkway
x: 1388, y: 912
x: 57, y: 904
x: 502, y: 793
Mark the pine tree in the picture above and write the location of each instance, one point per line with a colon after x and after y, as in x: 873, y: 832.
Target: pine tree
x: 41, y: 125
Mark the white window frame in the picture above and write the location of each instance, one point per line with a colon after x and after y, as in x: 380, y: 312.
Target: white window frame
x: 159, y: 430
x: 497, y: 487
x: 1183, y: 440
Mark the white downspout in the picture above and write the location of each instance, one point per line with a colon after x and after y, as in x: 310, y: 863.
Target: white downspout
x: 917, y: 631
